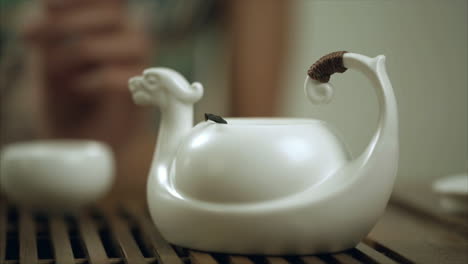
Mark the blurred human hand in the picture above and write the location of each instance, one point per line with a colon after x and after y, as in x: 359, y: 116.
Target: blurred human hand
x: 88, y: 50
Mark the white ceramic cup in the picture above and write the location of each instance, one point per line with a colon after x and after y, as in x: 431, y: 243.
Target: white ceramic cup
x: 453, y: 192
x: 56, y: 175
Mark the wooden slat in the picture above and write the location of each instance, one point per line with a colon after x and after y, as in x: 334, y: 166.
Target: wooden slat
x: 312, y: 260
x: 201, y: 258
x: 396, y: 256
x: 63, y: 252
x: 345, y: 259
x: 81, y: 261
x: 27, y: 237
x: 277, y: 260
x: 403, y: 234
x: 92, y: 243
x: 40, y: 261
x: 162, y: 249
x: 240, y: 260
x: 371, y: 253
x: 121, y: 232
x: 3, y: 228
x: 152, y: 260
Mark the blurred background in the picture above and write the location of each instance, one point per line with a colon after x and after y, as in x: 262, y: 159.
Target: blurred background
x: 64, y: 67
x: 425, y: 43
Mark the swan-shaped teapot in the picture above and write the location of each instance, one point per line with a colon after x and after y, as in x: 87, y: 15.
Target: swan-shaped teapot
x: 267, y: 185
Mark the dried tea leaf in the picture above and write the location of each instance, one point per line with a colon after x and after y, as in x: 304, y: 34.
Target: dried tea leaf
x: 215, y: 118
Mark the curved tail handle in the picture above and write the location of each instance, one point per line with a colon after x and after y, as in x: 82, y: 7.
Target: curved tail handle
x: 382, y: 151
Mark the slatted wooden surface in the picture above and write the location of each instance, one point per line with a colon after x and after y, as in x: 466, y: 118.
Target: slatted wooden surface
x: 125, y: 234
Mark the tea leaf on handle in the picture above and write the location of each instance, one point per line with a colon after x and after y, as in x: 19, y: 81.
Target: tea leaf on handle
x: 329, y: 64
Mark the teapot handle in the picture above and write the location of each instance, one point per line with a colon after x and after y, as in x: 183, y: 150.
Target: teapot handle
x: 317, y: 88
x: 329, y: 64
x: 383, y: 148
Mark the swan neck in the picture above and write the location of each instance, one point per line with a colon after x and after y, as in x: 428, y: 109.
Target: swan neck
x: 176, y: 122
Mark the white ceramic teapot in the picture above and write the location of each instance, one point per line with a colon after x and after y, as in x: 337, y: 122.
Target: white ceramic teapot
x: 267, y: 185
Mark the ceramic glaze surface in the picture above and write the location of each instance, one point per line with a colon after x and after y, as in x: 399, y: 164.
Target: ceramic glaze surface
x: 277, y: 160
x: 266, y: 186
x: 59, y: 175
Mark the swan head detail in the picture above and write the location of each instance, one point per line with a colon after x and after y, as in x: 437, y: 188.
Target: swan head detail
x: 162, y: 86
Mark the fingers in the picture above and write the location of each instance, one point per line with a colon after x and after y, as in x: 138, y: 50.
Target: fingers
x: 61, y: 23
x: 106, y: 79
x: 60, y: 4
x: 89, y: 46
x: 85, y: 20
x: 118, y: 47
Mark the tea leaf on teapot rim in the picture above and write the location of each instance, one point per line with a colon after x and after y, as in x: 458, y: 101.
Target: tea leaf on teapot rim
x: 215, y: 118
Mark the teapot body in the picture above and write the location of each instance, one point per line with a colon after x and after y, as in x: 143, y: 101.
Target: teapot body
x: 255, y: 159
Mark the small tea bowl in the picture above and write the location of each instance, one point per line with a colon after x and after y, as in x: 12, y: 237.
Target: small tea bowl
x: 56, y: 175
x: 453, y: 193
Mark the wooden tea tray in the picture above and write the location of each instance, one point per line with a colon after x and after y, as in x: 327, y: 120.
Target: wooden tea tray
x: 409, y: 232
